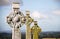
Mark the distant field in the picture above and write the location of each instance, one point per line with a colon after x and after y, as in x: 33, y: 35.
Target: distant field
x: 48, y: 38
x: 58, y: 38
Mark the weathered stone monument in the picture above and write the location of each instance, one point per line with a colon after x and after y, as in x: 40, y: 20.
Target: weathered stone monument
x: 35, y: 30
x: 29, y: 20
x: 14, y: 20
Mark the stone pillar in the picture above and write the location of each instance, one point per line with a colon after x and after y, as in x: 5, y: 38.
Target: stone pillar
x: 29, y: 20
x: 28, y: 33
x: 16, y: 33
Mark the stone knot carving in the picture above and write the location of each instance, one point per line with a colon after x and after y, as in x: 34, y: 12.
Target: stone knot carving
x: 15, y: 19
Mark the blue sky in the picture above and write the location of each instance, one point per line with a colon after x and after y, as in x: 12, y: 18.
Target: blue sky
x: 48, y: 9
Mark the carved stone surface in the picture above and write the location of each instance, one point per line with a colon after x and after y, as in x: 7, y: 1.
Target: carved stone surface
x: 14, y: 20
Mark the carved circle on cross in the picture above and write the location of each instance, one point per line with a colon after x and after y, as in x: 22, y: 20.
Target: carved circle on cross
x: 15, y: 19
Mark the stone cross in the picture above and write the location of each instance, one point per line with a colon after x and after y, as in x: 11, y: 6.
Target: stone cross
x: 29, y: 20
x: 35, y: 30
x: 14, y: 19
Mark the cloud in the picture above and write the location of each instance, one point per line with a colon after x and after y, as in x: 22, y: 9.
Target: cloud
x: 37, y: 15
x: 56, y: 12
x: 4, y: 2
x: 57, y: 0
x: 9, y: 2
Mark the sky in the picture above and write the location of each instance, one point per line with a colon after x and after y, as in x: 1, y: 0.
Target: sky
x: 48, y: 16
